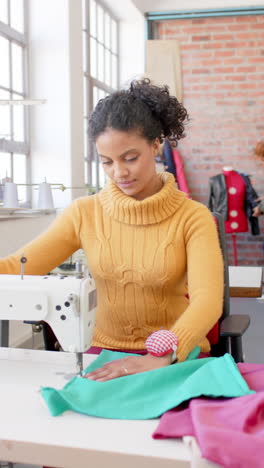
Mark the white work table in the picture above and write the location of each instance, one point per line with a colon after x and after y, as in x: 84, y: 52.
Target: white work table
x: 29, y: 434
x: 245, y: 281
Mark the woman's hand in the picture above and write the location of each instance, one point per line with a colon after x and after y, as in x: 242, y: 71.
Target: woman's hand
x: 256, y: 211
x: 127, y: 366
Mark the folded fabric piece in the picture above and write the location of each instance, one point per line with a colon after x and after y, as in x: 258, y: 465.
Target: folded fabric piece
x: 148, y: 394
x: 229, y: 432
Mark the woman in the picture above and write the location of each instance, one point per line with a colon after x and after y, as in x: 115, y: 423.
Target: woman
x: 154, y: 254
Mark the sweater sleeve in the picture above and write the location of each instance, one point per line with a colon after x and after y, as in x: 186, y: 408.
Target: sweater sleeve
x: 205, y: 278
x: 49, y: 249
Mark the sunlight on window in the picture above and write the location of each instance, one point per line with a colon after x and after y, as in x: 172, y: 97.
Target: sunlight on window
x: 93, y: 57
x: 18, y: 121
x: 102, y: 44
x: 3, y: 11
x: 17, y: 15
x: 100, y: 24
x: 5, y: 165
x: 17, y: 67
x: 5, y: 131
x: 93, y: 18
x: 20, y: 175
x: 4, y: 68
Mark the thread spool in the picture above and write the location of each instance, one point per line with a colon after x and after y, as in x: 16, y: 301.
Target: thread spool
x: 45, y: 199
x: 10, y: 195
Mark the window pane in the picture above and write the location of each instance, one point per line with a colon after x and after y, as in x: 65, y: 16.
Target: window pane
x: 95, y: 96
x: 17, y: 15
x: 93, y: 58
x: 4, y: 68
x: 93, y: 18
x: 101, y: 62
x: 3, y: 11
x: 20, y: 175
x: 85, y: 125
x: 18, y: 120
x: 114, y: 36
x: 107, y: 39
x: 84, y: 51
x: 114, y: 71
x: 17, y: 67
x: 85, y: 172
x: 5, y: 165
x: 85, y: 99
x: 101, y: 94
x: 5, y: 131
x: 107, y: 67
x: 100, y: 24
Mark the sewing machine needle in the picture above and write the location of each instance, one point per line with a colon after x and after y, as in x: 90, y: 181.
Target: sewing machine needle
x: 22, y: 265
x: 79, y: 357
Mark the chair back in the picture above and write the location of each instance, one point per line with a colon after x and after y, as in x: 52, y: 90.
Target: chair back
x: 219, y: 344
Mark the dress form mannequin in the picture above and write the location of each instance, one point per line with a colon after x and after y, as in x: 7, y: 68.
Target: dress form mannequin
x: 236, y: 191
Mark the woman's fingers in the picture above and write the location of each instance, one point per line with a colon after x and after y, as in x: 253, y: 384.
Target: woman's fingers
x: 128, y: 366
x: 108, y: 371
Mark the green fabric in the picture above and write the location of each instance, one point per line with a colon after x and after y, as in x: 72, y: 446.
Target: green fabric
x: 148, y: 394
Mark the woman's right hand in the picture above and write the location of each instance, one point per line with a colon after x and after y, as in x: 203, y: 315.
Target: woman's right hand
x: 256, y: 211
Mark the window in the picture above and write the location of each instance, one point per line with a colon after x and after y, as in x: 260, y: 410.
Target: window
x: 101, y: 73
x: 14, y: 148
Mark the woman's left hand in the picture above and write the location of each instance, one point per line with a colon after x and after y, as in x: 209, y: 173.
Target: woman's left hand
x: 127, y: 366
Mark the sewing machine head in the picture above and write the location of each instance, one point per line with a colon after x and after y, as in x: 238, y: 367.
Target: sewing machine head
x: 66, y: 303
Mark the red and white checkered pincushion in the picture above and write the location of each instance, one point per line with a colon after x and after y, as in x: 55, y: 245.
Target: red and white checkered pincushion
x: 161, y: 342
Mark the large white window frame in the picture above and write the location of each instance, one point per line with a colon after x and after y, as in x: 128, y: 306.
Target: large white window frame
x: 101, y: 73
x: 14, y: 145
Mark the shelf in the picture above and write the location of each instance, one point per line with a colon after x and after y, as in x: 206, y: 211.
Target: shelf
x: 23, y: 212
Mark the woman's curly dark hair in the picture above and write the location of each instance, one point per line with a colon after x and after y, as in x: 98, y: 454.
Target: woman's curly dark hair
x: 144, y: 107
x: 259, y: 150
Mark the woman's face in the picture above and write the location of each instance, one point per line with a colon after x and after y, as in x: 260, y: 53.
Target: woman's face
x: 129, y: 160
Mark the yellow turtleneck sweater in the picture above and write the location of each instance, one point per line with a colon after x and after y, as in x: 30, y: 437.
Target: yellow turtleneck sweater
x: 141, y: 254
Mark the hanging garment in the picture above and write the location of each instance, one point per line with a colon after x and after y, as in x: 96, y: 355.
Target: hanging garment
x: 168, y: 158
x: 218, y: 199
x: 229, y: 432
x: 148, y: 394
x: 236, y: 194
x: 181, y: 179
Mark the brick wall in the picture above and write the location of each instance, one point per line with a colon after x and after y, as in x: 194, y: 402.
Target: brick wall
x: 223, y: 84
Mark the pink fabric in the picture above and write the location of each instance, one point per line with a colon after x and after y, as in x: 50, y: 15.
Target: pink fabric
x: 229, y: 431
x: 181, y: 179
x: 97, y: 350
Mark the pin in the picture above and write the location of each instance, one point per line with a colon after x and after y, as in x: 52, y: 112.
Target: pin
x: 23, y: 260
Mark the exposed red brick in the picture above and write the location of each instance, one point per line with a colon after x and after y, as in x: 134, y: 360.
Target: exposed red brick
x: 223, y: 91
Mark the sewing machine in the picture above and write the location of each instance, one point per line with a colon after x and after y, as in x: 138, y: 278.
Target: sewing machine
x: 66, y: 303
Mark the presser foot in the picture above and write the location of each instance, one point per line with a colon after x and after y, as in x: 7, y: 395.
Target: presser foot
x: 79, y: 362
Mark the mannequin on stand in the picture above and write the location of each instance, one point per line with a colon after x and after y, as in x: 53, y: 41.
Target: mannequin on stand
x: 237, y: 219
x: 232, y: 195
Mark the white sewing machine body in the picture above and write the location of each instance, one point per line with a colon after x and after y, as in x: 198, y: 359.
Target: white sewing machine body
x: 66, y: 303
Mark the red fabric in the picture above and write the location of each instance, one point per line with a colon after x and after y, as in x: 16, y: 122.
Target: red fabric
x: 236, y: 192
x: 181, y: 179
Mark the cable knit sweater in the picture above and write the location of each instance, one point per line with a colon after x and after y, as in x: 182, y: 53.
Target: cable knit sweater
x: 156, y: 262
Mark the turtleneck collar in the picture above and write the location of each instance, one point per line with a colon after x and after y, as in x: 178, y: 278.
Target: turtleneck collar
x: 151, y: 210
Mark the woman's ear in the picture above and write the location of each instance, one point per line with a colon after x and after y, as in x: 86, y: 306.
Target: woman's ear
x: 156, y: 146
